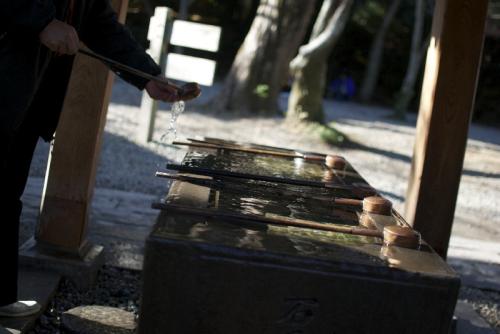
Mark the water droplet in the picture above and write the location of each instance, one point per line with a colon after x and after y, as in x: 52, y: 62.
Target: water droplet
x: 175, y: 111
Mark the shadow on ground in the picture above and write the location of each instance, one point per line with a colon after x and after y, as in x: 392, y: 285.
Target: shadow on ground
x: 120, y: 219
x: 336, y: 111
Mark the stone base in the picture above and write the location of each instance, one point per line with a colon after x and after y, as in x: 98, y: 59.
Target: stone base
x: 81, y: 270
x: 217, y: 277
x: 95, y: 319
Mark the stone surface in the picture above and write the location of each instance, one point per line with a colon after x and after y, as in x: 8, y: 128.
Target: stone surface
x: 477, y: 274
x: 477, y: 262
x: 33, y: 285
x: 120, y: 221
x: 96, y: 319
x: 82, y: 272
x: 201, y: 274
x: 469, y: 322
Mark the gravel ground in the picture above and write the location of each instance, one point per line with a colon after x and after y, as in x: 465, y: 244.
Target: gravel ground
x: 486, y: 303
x: 384, y: 160
x: 115, y: 287
x: 381, y: 153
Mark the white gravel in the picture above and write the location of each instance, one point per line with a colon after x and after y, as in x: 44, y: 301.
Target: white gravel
x: 384, y: 159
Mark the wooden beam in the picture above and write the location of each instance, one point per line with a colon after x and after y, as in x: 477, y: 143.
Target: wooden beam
x: 446, y: 105
x: 71, y: 170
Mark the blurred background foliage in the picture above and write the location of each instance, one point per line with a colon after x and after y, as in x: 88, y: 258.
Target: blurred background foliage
x: 350, y: 56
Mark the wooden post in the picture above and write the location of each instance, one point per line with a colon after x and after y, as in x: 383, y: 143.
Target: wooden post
x: 74, y: 155
x: 160, y: 29
x: 446, y: 105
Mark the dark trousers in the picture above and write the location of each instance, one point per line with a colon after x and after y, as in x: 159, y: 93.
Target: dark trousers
x: 15, y: 161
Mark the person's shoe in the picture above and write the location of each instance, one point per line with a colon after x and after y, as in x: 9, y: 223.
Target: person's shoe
x: 20, y: 308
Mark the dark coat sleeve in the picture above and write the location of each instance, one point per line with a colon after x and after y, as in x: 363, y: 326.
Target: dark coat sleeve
x: 105, y: 35
x: 28, y: 16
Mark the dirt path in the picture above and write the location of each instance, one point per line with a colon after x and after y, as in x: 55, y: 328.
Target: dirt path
x: 383, y: 159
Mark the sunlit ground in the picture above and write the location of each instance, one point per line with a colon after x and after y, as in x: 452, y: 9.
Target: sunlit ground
x: 382, y: 152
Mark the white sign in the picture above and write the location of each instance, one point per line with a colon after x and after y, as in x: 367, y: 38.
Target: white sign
x: 187, y: 68
x: 157, y: 33
x: 195, y: 35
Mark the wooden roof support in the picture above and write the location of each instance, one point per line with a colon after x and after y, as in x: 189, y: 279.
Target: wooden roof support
x: 73, y: 159
x: 446, y: 105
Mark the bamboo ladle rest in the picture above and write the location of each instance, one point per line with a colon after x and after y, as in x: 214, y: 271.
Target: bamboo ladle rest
x: 332, y: 161
x: 372, y: 204
x: 394, y: 235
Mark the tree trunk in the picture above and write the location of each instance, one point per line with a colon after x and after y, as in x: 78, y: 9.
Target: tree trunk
x: 407, y: 91
x: 310, y: 66
x: 376, y: 53
x: 261, y: 66
x: 183, y: 9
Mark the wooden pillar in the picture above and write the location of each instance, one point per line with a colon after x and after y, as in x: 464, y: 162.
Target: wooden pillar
x: 446, y: 105
x: 71, y: 170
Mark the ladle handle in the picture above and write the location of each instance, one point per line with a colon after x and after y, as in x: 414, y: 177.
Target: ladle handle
x: 348, y: 201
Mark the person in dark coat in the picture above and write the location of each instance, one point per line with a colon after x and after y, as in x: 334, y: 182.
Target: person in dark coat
x: 38, y: 41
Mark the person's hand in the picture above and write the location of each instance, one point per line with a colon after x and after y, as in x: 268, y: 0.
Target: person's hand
x: 172, y: 93
x: 60, y: 38
x: 189, y: 91
x: 166, y: 92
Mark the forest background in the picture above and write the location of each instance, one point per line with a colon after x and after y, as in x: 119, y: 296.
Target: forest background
x: 392, y: 29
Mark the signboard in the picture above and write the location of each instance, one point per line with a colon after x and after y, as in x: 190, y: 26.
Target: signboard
x: 158, y: 36
x: 187, y: 68
x: 177, y: 66
x: 158, y: 32
x: 196, y: 35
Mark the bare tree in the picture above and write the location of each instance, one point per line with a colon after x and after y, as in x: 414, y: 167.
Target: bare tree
x: 309, y: 67
x: 376, y: 53
x: 261, y: 65
x: 417, y: 52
